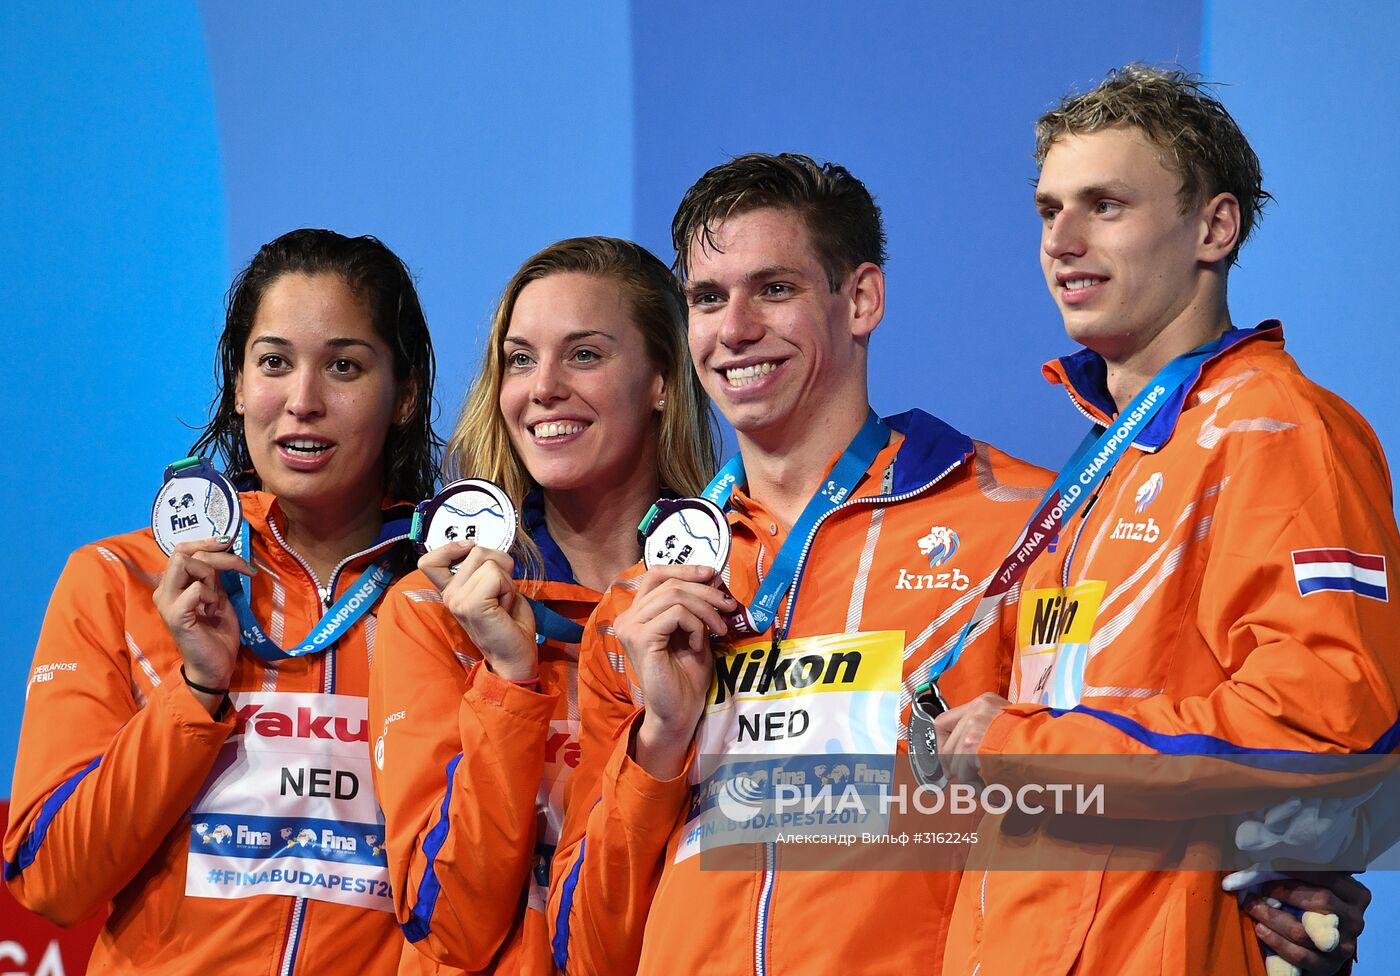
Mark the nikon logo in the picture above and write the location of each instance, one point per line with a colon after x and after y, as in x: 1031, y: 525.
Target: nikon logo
x: 762, y: 670
x: 1052, y: 618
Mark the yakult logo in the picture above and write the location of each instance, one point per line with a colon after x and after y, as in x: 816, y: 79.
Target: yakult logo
x: 304, y: 724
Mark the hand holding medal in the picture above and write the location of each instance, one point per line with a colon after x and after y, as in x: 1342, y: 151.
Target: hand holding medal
x: 666, y: 631
x: 465, y: 533
x: 194, y: 517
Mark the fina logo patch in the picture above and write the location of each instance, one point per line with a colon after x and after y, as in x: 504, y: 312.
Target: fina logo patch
x: 1148, y: 493
x: 306, y: 837
x: 219, y: 835
x: 939, y: 545
x: 741, y: 798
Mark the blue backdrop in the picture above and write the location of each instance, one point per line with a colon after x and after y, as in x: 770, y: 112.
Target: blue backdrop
x: 149, y: 150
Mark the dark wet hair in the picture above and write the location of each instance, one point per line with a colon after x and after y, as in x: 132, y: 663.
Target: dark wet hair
x: 376, y: 276
x: 841, y: 216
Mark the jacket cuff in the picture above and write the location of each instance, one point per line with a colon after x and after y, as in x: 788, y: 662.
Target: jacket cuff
x: 189, y: 712
x: 530, y: 703
x: 640, y: 795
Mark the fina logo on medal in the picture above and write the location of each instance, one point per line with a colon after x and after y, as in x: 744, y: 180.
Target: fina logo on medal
x: 939, y: 545
x: 1148, y: 493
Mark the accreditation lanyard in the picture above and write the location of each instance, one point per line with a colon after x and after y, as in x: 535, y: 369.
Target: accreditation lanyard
x: 854, y: 462
x: 342, y: 614
x: 1074, y: 485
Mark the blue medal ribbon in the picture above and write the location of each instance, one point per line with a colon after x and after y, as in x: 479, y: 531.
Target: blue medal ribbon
x: 854, y: 462
x: 1074, y: 485
x: 553, y: 625
x: 353, y: 605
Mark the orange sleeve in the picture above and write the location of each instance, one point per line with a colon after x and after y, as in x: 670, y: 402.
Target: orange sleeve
x: 458, y: 796
x: 1303, y: 672
x: 101, y: 778
x: 619, y: 821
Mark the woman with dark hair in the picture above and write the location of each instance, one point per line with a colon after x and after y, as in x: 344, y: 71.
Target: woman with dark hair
x: 584, y: 410
x: 175, y: 762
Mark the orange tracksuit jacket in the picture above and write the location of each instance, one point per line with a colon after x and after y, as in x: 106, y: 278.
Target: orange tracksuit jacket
x: 620, y: 902
x: 473, y: 774
x: 1238, y: 556
x: 114, y: 749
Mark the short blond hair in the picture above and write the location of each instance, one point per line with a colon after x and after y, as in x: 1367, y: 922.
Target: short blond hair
x: 1180, y: 115
x: 687, y: 438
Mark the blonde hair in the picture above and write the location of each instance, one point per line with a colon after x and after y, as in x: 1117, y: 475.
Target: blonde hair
x: 686, y: 449
x: 1181, y: 116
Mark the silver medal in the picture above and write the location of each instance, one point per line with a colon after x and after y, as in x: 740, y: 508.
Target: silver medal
x: 688, y: 532
x: 195, y: 502
x: 471, y: 510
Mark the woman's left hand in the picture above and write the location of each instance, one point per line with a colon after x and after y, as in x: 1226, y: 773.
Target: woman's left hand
x: 1325, y: 892
x: 480, y: 593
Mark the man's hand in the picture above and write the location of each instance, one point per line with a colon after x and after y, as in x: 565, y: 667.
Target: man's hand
x: 476, y: 587
x: 666, y: 635
x: 960, y: 732
x: 1323, y: 892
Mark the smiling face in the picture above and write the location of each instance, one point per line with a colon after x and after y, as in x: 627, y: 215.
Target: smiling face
x: 775, y: 348
x: 579, y: 393
x: 318, y: 396
x: 1125, y: 266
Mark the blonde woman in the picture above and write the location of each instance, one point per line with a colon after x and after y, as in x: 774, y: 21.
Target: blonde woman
x: 585, y: 410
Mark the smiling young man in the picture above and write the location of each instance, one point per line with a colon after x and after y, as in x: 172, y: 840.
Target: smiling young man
x: 1229, y: 576
x: 781, y: 261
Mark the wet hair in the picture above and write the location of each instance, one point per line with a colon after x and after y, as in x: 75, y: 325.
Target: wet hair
x: 376, y: 276
x: 686, y: 449
x: 841, y: 216
x: 1180, y: 115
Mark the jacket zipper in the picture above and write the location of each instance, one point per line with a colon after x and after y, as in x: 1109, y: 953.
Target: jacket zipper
x: 770, y: 850
x: 291, y: 941
x: 1082, y: 518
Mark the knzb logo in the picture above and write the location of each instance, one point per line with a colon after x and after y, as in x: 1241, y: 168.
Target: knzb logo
x: 1148, y: 493
x: 939, y: 545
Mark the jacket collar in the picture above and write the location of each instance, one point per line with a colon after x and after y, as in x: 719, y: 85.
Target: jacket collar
x: 930, y: 449
x: 556, y: 566
x: 1084, y: 375
x: 261, y: 507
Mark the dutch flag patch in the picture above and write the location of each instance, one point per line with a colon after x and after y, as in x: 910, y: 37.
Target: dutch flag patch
x: 1340, y: 569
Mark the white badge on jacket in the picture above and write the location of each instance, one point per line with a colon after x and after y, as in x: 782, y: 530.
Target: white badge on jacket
x: 289, y: 808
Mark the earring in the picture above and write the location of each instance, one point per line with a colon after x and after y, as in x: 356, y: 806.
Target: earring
x: 238, y: 407
x: 660, y: 404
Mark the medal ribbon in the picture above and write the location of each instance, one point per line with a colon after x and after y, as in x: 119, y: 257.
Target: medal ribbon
x: 850, y: 468
x: 1074, y: 485
x: 553, y: 625
x: 353, y: 605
